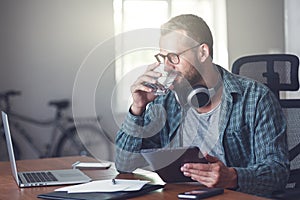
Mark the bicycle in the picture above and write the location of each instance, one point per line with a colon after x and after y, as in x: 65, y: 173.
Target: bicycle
x: 67, y: 139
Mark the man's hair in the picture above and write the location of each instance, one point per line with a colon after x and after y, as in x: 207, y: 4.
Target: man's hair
x: 194, y: 26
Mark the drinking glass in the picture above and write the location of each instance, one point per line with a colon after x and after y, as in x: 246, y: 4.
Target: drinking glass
x: 161, y: 87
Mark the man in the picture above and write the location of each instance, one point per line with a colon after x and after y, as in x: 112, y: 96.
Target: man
x: 241, y: 127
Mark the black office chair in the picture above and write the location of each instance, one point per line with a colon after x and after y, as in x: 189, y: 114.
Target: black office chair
x: 280, y: 73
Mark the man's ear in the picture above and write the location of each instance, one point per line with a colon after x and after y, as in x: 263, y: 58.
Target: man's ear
x: 203, y: 52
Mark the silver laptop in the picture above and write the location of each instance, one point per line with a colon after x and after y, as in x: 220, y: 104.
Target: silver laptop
x: 40, y: 178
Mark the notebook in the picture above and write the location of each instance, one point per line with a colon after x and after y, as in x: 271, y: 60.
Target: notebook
x: 166, y: 162
x: 40, y: 178
x: 101, y: 195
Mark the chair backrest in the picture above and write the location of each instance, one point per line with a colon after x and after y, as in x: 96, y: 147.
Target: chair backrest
x: 280, y: 73
x: 291, y: 109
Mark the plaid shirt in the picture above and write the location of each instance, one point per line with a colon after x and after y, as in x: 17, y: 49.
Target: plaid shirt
x: 252, y: 128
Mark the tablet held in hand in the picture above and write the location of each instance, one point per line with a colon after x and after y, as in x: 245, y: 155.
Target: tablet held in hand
x: 166, y: 162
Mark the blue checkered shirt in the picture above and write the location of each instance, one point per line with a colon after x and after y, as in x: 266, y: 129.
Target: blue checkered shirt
x: 252, y: 128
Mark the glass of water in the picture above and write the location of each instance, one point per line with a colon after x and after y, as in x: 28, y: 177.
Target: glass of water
x: 161, y: 87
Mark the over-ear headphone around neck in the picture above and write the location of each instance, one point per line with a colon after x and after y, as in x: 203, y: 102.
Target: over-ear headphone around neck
x: 197, y: 96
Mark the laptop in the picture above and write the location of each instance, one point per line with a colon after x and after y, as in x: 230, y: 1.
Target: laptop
x: 40, y: 178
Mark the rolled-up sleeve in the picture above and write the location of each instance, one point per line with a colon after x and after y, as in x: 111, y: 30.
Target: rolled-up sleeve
x: 137, y: 133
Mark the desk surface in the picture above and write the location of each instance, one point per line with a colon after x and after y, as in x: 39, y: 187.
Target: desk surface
x: 9, y: 189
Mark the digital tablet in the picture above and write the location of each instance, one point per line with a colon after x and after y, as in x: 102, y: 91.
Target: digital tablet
x: 166, y: 162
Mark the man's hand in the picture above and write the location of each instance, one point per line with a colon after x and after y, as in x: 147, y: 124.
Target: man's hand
x: 142, y: 94
x: 214, y: 174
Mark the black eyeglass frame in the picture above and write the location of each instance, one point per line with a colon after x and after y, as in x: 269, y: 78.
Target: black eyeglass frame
x: 170, y: 55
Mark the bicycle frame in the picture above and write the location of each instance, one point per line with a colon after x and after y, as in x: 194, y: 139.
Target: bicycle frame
x: 60, y: 125
x: 65, y: 138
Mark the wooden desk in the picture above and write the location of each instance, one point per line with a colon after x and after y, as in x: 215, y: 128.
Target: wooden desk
x: 9, y: 189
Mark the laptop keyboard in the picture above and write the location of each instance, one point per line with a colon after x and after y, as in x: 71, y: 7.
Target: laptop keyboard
x: 37, y: 177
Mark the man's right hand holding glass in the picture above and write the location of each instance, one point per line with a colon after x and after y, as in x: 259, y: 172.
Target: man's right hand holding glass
x: 142, y: 94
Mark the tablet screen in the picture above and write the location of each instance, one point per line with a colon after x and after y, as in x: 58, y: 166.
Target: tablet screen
x: 167, y: 162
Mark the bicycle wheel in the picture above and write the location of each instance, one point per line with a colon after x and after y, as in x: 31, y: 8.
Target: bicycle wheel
x: 84, y: 140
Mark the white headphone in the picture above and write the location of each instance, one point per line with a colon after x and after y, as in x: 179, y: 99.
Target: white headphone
x: 198, y: 96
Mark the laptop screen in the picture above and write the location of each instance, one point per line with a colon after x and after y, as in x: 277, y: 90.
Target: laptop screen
x: 10, y: 147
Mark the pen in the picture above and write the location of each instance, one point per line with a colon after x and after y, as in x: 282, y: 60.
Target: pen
x: 113, y: 181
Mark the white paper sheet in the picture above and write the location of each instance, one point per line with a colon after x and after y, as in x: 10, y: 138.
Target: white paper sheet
x: 105, y: 186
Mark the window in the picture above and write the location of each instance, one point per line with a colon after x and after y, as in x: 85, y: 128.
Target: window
x: 131, y: 15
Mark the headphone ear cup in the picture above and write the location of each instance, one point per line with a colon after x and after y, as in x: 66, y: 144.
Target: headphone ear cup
x: 198, y: 97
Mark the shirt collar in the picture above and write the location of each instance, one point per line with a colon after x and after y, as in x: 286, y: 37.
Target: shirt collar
x: 230, y: 82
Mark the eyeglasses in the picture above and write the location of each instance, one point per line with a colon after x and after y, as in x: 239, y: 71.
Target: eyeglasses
x: 172, y: 57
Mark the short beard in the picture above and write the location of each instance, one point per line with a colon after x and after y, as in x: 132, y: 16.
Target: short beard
x: 192, y: 78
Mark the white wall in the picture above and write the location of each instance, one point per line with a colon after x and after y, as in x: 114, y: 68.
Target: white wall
x: 292, y: 30
x: 43, y: 43
x: 254, y: 27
